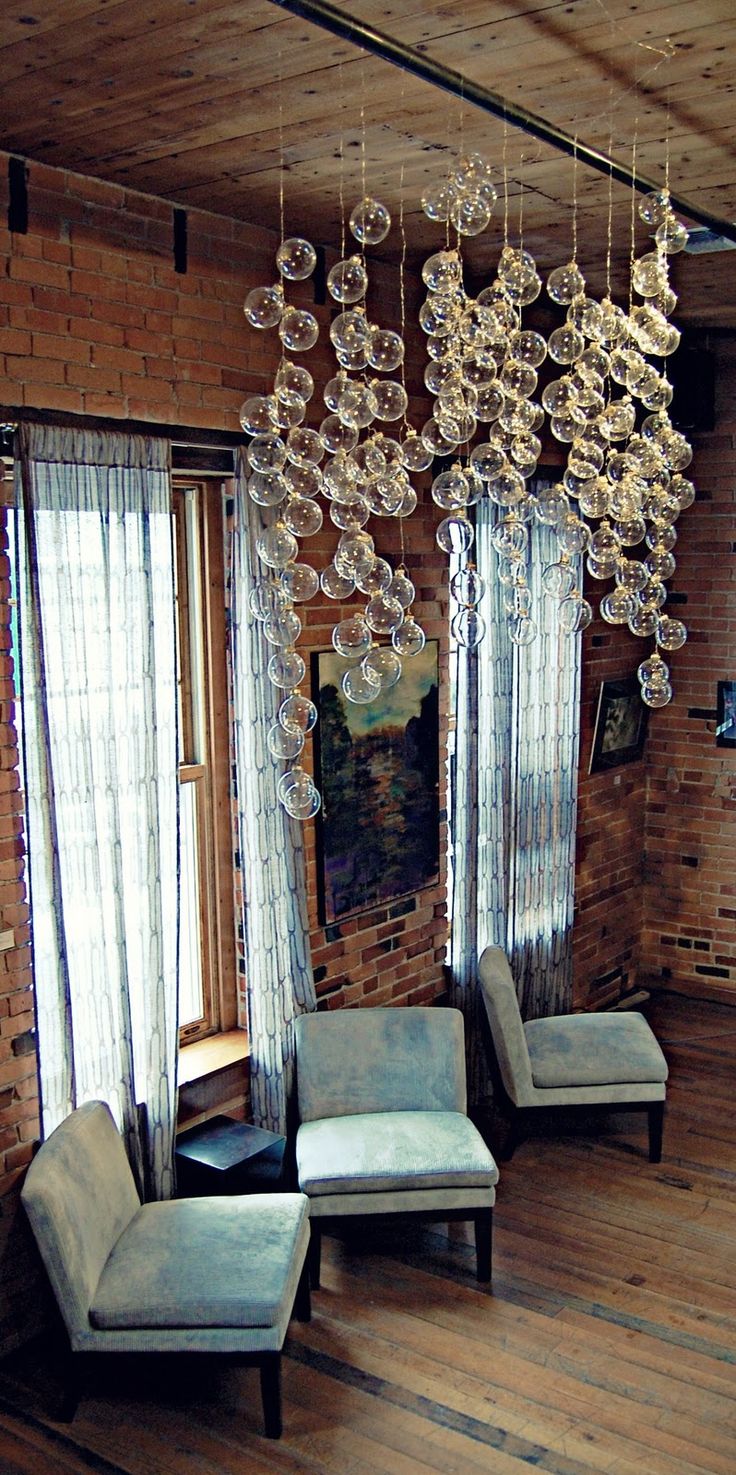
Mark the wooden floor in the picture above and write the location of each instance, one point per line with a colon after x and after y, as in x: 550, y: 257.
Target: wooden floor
x: 607, y: 1344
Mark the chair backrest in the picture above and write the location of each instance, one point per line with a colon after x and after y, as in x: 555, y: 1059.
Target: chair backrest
x: 507, y: 1029
x: 79, y: 1194
x: 368, y: 1060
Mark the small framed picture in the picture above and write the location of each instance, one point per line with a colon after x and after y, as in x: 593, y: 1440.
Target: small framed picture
x: 620, y: 726
x: 726, y: 715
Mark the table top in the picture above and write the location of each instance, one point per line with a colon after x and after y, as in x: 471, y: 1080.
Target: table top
x: 222, y: 1143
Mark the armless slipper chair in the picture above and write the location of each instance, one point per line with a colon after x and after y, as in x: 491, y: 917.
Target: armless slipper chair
x: 383, y: 1124
x: 582, y: 1061
x: 187, y: 1275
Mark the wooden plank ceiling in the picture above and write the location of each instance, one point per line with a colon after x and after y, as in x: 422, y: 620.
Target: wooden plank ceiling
x: 198, y: 101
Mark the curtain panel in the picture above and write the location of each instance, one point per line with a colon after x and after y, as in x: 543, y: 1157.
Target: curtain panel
x: 279, y: 979
x: 99, y: 729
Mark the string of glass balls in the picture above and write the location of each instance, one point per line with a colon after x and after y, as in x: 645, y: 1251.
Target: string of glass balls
x: 351, y: 464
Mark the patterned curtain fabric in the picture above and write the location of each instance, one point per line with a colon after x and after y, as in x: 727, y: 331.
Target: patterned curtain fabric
x: 98, y: 663
x: 279, y: 977
x: 513, y: 799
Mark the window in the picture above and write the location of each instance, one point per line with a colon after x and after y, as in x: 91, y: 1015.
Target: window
x: 207, y: 999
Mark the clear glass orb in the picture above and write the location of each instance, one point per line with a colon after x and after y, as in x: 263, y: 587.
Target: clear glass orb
x: 294, y: 778
x: 594, y: 360
x: 455, y: 535
x: 661, y: 536
x: 304, y: 447
x: 613, y: 322
x: 575, y: 614
x: 408, y: 639
x: 354, y: 360
x: 671, y: 634
x: 655, y: 594
x: 442, y: 272
x: 661, y: 565
x: 595, y: 498
x: 385, y: 350
x: 375, y: 578
x: 336, y: 585
x: 654, y: 207
x: 490, y: 404
x: 678, y: 452
x: 630, y: 530
x: 631, y: 575
x: 359, y: 686
x: 291, y: 414
x: 296, y: 259
x: 553, y: 505
x: 618, y: 419
x: 617, y: 607
x: 276, y: 546
x: 303, y: 517
x: 478, y: 369
x: 643, y: 622
x: 565, y: 282
x: 297, y: 713
x: 518, y: 379
x: 436, y: 201
x: 286, y: 669
x: 471, y: 174
x: 649, y: 276
x: 559, y: 396
x: 258, y: 414
x: 529, y: 347
x: 263, y: 307
x: 336, y: 435
x: 335, y: 388
x: 301, y: 803
x: 656, y: 696
x: 467, y: 586
x: 352, y: 638
x: 488, y: 460
x: 351, y: 514
x: 293, y: 384
x: 451, y: 489
x: 382, y: 661
x: 558, y: 580
x: 303, y: 481
x: 266, y: 452
x: 384, y: 614
x: 391, y: 398
x: 267, y: 488
x: 415, y: 455
x: 266, y: 599
x: 300, y: 581
x: 354, y: 552
x: 684, y: 491
x: 468, y: 628
x: 401, y: 588
x: 654, y: 669
x: 507, y: 489
x: 510, y: 539
x: 573, y: 535
x: 283, y: 629
x: 298, y: 330
x: 350, y: 331
x: 517, y: 599
x: 284, y: 744
x: 370, y: 221
x: 470, y: 214
x: 347, y: 281
x: 565, y: 344
x: 439, y: 314
x: 522, y: 630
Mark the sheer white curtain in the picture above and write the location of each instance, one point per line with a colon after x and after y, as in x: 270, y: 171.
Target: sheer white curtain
x: 98, y: 663
x: 280, y: 982
x: 513, y: 797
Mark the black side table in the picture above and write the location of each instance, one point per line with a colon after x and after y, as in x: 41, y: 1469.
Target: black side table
x: 225, y: 1156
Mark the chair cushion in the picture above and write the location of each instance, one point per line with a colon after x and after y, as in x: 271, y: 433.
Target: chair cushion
x: 380, y: 1152
x: 593, y: 1050
x: 205, y: 1262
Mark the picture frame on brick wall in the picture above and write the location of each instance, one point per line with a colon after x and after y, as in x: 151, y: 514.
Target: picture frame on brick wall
x: 377, y: 769
x: 726, y: 715
x: 620, y: 725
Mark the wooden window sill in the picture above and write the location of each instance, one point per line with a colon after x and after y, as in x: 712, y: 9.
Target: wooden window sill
x: 207, y: 1057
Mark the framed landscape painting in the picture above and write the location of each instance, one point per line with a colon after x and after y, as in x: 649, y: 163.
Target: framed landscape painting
x: 377, y: 767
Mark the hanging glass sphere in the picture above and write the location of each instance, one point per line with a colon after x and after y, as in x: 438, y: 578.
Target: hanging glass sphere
x: 510, y: 538
x: 267, y: 488
x: 350, y: 514
x: 383, y: 662
x: 654, y: 207
x: 409, y: 638
x: 559, y: 396
x: 370, y: 221
x: 478, y: 368
x: 518, y: 379
x: 304, y: 447
x: 491, y: 403
x: 361, y: 686
x: 301, y: 803
x: 350, y: 331
x: 684, y: 491
x: 522, y: 630
x: 258, y: 414
x: 617, y: 607
x: 565, y: 344
x: 391, y: 399
x: 293, y: 384
x: 289, y: 415
x: 442, y: 272
x: 470, y: 214
x: 297, y: 713
x: 656, y: 696
x: 263, y: 307
x: 671, y: 634
x: 296, y: 259
x: 300, y: 582
x: 384, y: 614
x: 471, y: 174
x: 631, y: 575
x: 276, y: 546
x: 468, y: 628
x: 528, y: 347
x: 575, y: 614
x: 661, y: 565
x: 294, y: 778
x: 352, y: 638
x: 336, y: 435
x: 298, y: 330
x: 648, y: 275
x: 385, y: 350
x: 347, y: 281
x: 565, y: 282
x: 375, y: 578
x: 436, y: 201
x: 284, y: 744
x: 303, y: 481
x: 401, y: 588
x: 643, y: 621
x: 283, y: 629
x: 558, y: 580
x: 266, y: 453
x: 415, y: 455
x: 573, y: 534
x: 553, y: 505
x: 354, y: 551
x: 455, y: 535
x: 303, y: 517
x: 595, y: 498
x: 286, y: 669
x: 517, y: 599
x: 266, y: 599
x: 467, y: 586
x: 630, y: 531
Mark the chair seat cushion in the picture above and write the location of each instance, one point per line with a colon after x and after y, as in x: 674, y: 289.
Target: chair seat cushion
x: 385, y: 1151
x: 593, y: 1050
x: 205, y: 1262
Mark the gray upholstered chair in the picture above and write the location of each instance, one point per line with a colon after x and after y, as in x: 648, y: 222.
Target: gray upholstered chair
x: 189, y: 1275
x: 590, y: 1061
x: 383, y: 1125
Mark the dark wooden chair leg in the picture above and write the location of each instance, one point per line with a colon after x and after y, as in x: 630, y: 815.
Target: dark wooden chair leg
x: 656, y: 1124
x: 73, y: 1387
x: 271, y: 1394
x: 302, y: 1300
x: 483, y: 1244
x: 314, y: 1254
x: 515, y: 1135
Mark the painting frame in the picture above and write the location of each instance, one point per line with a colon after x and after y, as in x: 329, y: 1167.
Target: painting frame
x: 377, y: 767
x: 726, y: 714
x: 620, y: 725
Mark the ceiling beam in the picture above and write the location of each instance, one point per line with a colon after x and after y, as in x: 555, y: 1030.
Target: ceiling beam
x: 379, y: 43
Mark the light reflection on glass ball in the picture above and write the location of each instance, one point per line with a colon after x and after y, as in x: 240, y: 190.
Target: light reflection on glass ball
x: 267, y: 599
x: 296, y: 259
x: 455, y: 535
x: 284, y: 744
x: 286, y: 669
x: 347, y: 281
x: 352, y: 638
x: 264, y: 306
x: 297, y: 713
x: 298, y: 330
x: 300, y: 581
x: 370, y: 221
x: 360, y: 686
x: 409, y: 638
x: 468, y: 628
x: 382, y: 661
